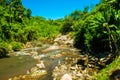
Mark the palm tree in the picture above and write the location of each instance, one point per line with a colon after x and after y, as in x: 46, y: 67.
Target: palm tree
x: 102, y: 24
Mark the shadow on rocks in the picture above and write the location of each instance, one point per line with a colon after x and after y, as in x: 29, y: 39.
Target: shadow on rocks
x: 3, y: 53
x: 115, y: 75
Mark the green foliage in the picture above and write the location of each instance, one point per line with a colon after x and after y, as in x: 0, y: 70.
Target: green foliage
x: 44, y: 28
x: 12, y: 14
x: 80, y: 39
x: 67, y: 25
x: 96, y: 31
x: 5, y: 45
x: 3, y: 52
x: 107, y: 71
x: 4, y: 48
x: 16, y: 46
x: 99, y: 32
x: 17, y: 24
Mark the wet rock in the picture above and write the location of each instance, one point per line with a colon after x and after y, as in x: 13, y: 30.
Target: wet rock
x: 80, y: 68
x: 34, y: 53
x: 66, y: 77
x: 79, y: 74
x: 75, y: 72
x: 53, y: 47
x: 21, y: 53
x: 58, y: 55
x: 63, y: 67
x: 32, y: 70
x: 72, y: 68
x: 41, y: 56
x: 38, y: 73
x: 36, y: 58
x: 115, y: 75
x: 40, y: 65
x: 15, y: 78
x: 64, y: 40
x: 25, y: 77
x: 10, y: 79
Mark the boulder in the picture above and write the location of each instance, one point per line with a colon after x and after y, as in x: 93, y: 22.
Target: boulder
x: 64, y: 40
x: 66, y: 77
x: 40, y: 65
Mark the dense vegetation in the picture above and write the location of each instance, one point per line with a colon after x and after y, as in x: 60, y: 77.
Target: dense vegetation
x: 106, y: 73
x: 96, y: 31
x: 17, y: 26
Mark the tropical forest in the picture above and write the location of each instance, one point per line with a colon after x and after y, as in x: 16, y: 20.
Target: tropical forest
x: 84, y: 45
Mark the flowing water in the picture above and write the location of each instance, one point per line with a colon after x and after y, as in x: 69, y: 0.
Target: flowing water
x: 17, y: 65
x: 51, y: 63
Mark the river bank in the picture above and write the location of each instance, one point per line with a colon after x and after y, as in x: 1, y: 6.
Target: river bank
x: 59, y: 61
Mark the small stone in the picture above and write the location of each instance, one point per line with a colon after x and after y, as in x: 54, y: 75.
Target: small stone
x: 66, y: 58
x: 25, y: 77
x: 102, y: 59
x: 36, y: 58
x: 33, y: 69
x: 10, y: 79
x: 58, y: 55
x: 56, y: 68
x: 79, y: 75
x: 15, y: 78
x: 72, y: 68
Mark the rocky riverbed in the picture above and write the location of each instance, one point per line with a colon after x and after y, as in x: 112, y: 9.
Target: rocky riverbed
x: 46, y: 59
x: 60, y: 61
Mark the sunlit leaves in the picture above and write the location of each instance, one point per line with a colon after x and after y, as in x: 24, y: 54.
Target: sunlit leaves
x: 101, y: 28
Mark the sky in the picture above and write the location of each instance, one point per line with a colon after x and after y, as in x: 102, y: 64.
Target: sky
x: 55, y: 9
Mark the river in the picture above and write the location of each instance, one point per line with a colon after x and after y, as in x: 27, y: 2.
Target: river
x: 15, y: 65
x: 18, y: 65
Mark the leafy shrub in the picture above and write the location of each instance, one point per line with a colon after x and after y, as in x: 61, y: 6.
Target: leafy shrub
x: 80, y: 39
x: 67, y: 25
x: 5, y: 45
x: 16, y: 46
x: 4, y: 48
x: 3, y: 52
x: 105, y: 73
x: 97, y: 34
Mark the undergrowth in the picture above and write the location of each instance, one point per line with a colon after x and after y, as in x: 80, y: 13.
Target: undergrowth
x: 107, y: 71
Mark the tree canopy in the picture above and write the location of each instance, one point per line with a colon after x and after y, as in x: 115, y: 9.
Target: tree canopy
x: 95, y: 31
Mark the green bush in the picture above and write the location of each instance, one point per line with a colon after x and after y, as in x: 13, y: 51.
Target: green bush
x: 4, y: 48
x: 16, y: 46
x: 105, y: 73
x: 3, y: 52
x: 97, y: 34
x: 67, y: 25
x: 66, y: 28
